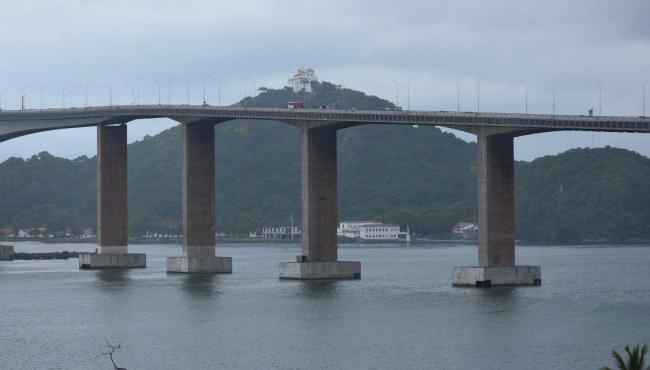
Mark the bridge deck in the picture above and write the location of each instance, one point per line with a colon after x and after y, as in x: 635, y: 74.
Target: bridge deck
x: 446, y: 118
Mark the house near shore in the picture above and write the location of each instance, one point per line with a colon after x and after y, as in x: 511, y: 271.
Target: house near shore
x: 7, y: 233
x: 24, y: 234
x: 465, y: 230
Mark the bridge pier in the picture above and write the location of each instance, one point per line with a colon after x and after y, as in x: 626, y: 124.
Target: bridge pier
x: 496, y: 218
x: 199, y: 204
x: 112, y: 223
x: 319, y: 259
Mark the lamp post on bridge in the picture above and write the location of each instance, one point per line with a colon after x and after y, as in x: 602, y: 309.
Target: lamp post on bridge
x: 85, y: 89
x: 138, y: 84
x: 254, y: 86
x: 205, y: 81
x: 158, y: 83
x: 110, y: 93
x: 600, y: 98
x: 396, y: 93
x: 408, y: 94
x: 23, y: 104
x: 188, y: 91
x: 525, y: 95
x: 644, y: 84
x: 1, y: 92
x: 132, y: 93
x: 478, y: 95
x: 554, y: 83
x: 169, y: 90
x: 457, y: 96
x: 40, y: 90
x: 62, y: 90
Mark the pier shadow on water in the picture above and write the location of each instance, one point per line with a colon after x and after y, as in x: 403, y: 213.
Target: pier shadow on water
x: 319, y: 288
x: 200, y: 285
x: 111, y: 276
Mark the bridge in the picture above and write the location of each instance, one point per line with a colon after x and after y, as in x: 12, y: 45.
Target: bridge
x: 319, y: 258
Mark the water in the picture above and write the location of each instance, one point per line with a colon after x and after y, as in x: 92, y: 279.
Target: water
x: 402, y: 314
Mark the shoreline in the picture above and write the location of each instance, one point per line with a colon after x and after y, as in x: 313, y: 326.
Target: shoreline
x: 8, y: 241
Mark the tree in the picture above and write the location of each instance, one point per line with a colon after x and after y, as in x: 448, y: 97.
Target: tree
x: 635, y: 359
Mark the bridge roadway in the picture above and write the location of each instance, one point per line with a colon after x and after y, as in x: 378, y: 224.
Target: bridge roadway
x: 18, y: 123
x: 319, y: 258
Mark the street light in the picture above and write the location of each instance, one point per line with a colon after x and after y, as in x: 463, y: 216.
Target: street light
x: 132, y: 93
x: 62, y: 94
x: 250, y: 78
x: 110, y: 93
x: 40, y: 90
x: 169, y: 90
x: 205, y: 81
x: 457, y: 96
x: 188, y: 91
x: 478, y: 95
x: 158, y: 83
x: 85, y: 93
x: 525, y: 94
x: 554, y: 83
x: 408, y: 94
x: 396, y: 93
x: 22, y: 97
x: 2, y: 91
x: 600, y: 98
x: 644, y: 83
x: 85, y: 89
x: 138, y: 83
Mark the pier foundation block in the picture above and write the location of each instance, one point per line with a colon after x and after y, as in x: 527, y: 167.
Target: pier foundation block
x: 320, y: 270
x: 6, y: 253
x: 95, y: 261
x: 475, y: 276
x: 200, y: 265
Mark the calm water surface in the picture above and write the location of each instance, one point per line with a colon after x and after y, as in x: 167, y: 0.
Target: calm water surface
x: 402, y: 314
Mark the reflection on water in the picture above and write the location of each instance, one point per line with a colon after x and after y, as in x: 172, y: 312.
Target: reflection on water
x: 112, y: 276
x: 199, y: 285
x: 319, y: 288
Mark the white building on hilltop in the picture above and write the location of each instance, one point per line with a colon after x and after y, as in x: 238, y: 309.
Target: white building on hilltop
x: 302, y: 80
x: 372, y: 230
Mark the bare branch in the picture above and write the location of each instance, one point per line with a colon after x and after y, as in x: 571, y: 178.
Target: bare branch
x: 110, y: 354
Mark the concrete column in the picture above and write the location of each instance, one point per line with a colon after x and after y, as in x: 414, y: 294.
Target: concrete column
x: 496, y: 200
x: 319, y: 259
x: 496, y: 219
x: 198, y: 182
x: 112, y: 221
x: 318, y: 171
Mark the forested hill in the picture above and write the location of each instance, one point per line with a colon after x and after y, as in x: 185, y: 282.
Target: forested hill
x: 417, y: 176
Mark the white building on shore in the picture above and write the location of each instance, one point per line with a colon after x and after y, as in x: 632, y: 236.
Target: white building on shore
x: 372, y: 230
x: 277, y: 232
x: 465, y: 230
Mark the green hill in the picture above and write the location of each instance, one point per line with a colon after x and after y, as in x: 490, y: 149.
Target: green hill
x: 422, y: 177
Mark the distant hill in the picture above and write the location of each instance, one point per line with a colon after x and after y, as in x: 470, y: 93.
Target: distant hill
x: 420, y: 177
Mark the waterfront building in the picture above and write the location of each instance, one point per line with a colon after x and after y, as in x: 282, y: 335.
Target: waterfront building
x: 372, y: 230
x: 465, y: 230
x: 278, y: 232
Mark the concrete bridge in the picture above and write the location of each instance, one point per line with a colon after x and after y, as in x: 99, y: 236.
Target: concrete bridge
x: 319, y: 258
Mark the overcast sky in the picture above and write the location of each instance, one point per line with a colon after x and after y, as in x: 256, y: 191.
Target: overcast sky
x: 365, y: 45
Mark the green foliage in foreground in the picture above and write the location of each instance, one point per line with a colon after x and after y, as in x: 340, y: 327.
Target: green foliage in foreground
x: 635, y: 359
